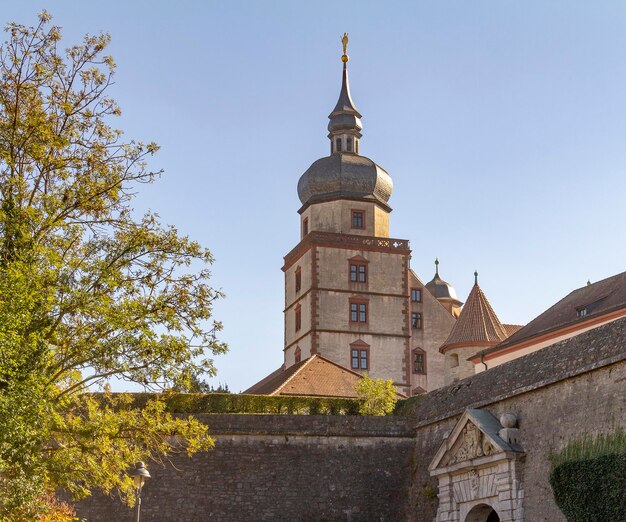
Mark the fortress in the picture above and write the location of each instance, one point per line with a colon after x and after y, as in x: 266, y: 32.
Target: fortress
x: 489, y: 401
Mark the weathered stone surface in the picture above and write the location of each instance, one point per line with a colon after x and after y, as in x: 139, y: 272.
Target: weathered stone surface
x: 310, y: 468
x: 280, y: 468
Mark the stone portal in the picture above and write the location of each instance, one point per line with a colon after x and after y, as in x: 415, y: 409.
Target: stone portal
x: 479, y: 466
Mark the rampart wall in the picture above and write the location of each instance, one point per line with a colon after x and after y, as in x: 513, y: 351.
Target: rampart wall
x: 280, y: 468
x: 316, y: 468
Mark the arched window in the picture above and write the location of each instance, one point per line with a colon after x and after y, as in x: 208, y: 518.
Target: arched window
x: 338, y: 145
x: 349, y: 144
x: 297, y: 355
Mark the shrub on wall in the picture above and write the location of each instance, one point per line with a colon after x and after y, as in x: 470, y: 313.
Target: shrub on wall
x: 190, y: 403
x: 377, y: 396
x: 588, y: 479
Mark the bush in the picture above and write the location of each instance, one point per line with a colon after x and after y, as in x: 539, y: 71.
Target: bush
x: 377, y: 396
x: 190, y: 403
x: 588, y: 479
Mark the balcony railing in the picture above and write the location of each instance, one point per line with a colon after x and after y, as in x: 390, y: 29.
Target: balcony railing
x: 331, y: 238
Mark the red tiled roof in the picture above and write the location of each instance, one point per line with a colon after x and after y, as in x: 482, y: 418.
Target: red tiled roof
x: 510, y: 329
x: 315, y: 376
x: 477, y: 325
x: 597, y: 299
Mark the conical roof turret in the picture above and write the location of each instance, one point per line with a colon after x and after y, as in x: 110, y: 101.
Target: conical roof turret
x: 478, y: 324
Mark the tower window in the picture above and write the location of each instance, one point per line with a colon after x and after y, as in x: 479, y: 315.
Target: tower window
x: 359, y: 359
x: 358, y: 219
x: 454, y: 360
x: 305, y: 226
x: 419, y: 361
x: 416, y: 295
x: 358, y: 312
x: 416, y: 320
x: 298, y: 318
x: 338, y: 145
x: 356, y: 143
x: 349, y: 144
x: 298, y: 275
x: 359, y: 355
x: 358, y: 273
x: 297, y: 355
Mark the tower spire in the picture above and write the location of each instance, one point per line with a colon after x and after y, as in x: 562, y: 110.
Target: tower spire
x: 345, y: 121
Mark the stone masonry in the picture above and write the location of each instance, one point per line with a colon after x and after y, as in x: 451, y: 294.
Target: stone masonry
x: 315, y: 468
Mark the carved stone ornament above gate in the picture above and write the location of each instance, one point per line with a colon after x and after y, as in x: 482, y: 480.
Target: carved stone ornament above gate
x: 470, y: 445
x: 476, y: 435
x: 479, y: 464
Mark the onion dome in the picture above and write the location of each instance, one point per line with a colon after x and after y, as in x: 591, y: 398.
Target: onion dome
x: 441, y: 289
x: 345, y: 174
x: 478, y: 324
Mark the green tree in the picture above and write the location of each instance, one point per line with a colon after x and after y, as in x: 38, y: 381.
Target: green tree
x: 88, y: 292
x: 378, y: 397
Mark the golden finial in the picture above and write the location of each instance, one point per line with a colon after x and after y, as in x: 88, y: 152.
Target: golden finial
x: 344, y: 41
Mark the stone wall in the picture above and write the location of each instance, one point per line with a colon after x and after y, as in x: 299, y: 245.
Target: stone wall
x: 575, y: 387
x: 314, y: 468
x: 280, y: 468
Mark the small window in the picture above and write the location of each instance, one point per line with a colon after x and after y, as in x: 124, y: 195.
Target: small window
x: 297, y: 355
x: 358, y: 312
x: 359, y: 358
x: 358, y: 273
x: 305, y: 227
x: 298, y: 318
x: 358, y: 219
x: 349, y: 144
x: 416, y: 295
x: 338, y: 145
x: 454, y: 360
x: 582, y: 312
x: 416, y: 320
x: 356, y: 148
x: 298, y: 279
x: 419, y: 361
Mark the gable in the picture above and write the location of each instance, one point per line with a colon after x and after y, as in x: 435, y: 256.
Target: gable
x: 475, y: 435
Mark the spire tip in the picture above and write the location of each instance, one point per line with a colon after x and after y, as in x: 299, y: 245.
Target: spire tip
x: 344, y: 42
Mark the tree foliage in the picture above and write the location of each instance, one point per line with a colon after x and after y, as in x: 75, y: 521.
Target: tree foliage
x: 377, y: 396
x: 88, y: 291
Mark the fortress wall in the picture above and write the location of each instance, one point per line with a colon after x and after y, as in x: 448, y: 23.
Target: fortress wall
x: 560, y: 393
x: 316, y: 468
x: 280, y: 468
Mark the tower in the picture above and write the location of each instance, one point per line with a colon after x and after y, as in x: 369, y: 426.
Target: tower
x: 477, y: 328
x: 350, y: 295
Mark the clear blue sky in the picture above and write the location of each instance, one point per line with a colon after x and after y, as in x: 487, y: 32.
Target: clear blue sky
x: 502, y: 124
